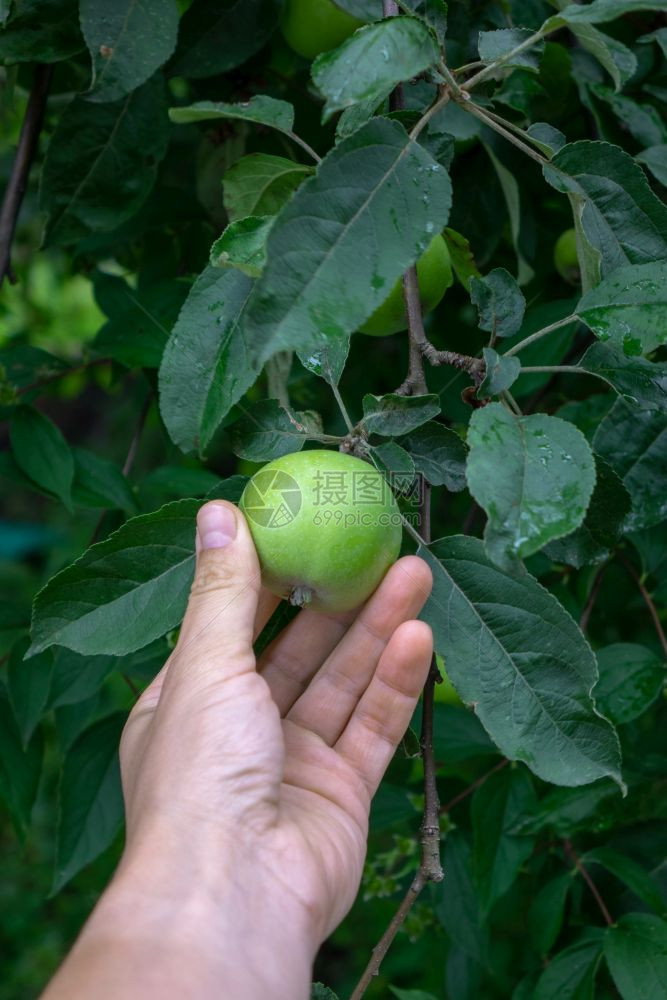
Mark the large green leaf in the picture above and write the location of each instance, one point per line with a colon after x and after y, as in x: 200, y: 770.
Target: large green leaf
x: 90, y: 809
x: 533, y: 476
x: 641, y: 382
x: 498, y: 852
x: 570, y: 975
x: 205, y: 367
x: 348, y: 233
x: 600, y: 11
x: 102, y: 161
x: 631, y: 678
x: 260, y: 184
x: 636, y: 952
x: 634, y: 442
x: 100, y: 483
x: 515, y: 654
x: 369, y: 64
x: 642, y: 121
x: 123, y: 592
x: 217, y: 35
x: 42, y: 453
x: 547, y: 911
x: 629, y: 308
x: 127, y: 40
x: 621, y: 216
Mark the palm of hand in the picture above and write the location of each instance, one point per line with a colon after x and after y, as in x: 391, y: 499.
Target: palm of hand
x: 285, y: 758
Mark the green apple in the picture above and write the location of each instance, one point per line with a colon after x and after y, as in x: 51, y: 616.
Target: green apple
x: 314, y: 26
x: 326, y: 528
x: 445, y: 692
x: 434, y: 271
x: 565, y: 257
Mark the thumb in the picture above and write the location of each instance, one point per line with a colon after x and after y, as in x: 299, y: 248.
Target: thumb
x: 217, y: 630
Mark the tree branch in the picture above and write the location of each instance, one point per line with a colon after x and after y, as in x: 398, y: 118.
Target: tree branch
x: 648, y: 600
x: 18, y: 180
x: 576, y: 861
x: 383, y: 945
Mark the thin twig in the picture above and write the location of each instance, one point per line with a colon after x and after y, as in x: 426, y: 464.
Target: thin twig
x: 304, y: 145
x: 18, y: 180
x: 539, y: 334
x: 475, y: 110
x: 84, y: 366
x: 648, y: 600
x: 473, y: 787
x: 576, y: 861
x: 592, y: 598
x: 489, y: 70
x: 383, y: 945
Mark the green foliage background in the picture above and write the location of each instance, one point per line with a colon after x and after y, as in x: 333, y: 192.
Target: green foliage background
x: 178, y: 235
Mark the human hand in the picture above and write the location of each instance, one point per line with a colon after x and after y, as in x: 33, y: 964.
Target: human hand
x: 248, y: 785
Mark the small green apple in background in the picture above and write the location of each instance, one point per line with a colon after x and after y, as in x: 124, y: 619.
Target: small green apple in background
x: 326, y: 528
x: 565, y: 257
x: 434, y: 271
x: 314, y: 26
x: 445, y: 692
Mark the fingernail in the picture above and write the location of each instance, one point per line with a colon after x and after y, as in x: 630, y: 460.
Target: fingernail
x: 216, y: 525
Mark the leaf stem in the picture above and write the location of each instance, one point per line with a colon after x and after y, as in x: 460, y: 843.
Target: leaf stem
x: 342, y: 408
x: 511, y: 402
x: 491, y: 68
x: 448, y: 806
x: 576, y: 861
x: 304, y: 145
x: 494, y: 123
x: 566, y: 369
x: 648, y: 600
x: 539, y: 334
x: 426, y: 117
x: 592, y: 597
x: 64, y: 373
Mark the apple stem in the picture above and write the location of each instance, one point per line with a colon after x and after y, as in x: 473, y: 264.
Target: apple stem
x: 300, y: 596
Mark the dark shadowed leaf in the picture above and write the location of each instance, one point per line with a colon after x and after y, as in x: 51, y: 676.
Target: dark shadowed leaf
x: 570, y: 974
x: 42, y: 453
x: 393, y: 414
x: 631, y: 678
x: 636, y: 952
x: 127, y: 40
x: 498, y: 852
x: 457, y: 905
x: 603, y: 525
x: 100, y: 483
x: 19, y: 769
x: 91, y: 801
x: 28, y: 686
x: 515, y: 654
x: 630, y: 873
x: 655, y: 158
x: 499, y: 373
x: 459, y: 735
x: 494, y: 44
x: 266, y: 431
x: 546, y: 912
x: 217, y: 36
x: 439, y: 455
x: 139, y: 319
x: 634, y: 442
x: 102, y: 161
x: 43, y: 31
